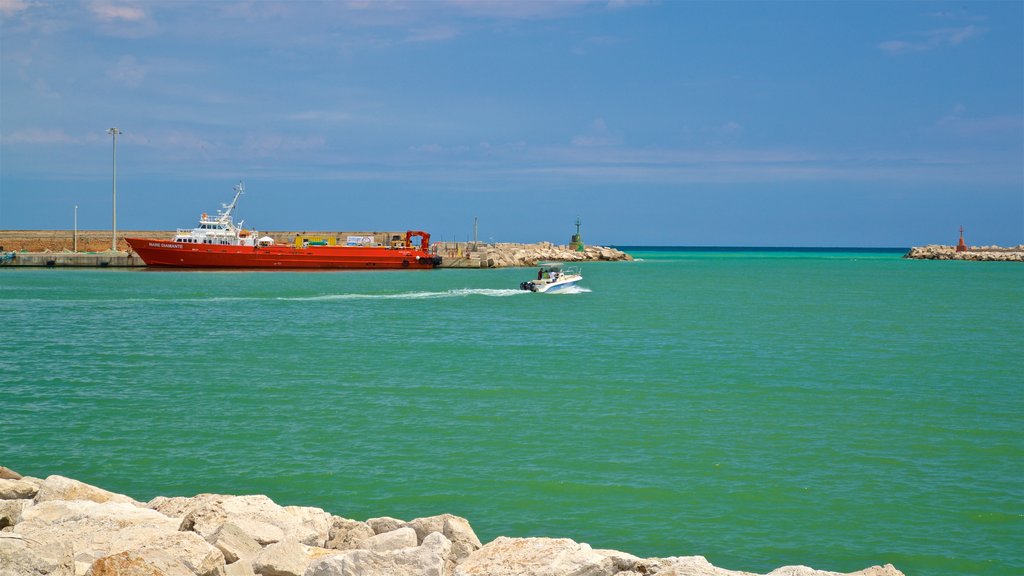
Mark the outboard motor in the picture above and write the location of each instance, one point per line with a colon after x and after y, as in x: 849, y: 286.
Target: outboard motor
x: 526, y: 286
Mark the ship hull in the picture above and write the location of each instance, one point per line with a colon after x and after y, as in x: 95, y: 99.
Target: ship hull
x: 167, y: 253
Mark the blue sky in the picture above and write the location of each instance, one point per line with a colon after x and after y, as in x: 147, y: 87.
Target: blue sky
x: 678, y: 123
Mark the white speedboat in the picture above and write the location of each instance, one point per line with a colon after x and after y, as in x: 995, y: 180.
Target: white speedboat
x: 552, y: 278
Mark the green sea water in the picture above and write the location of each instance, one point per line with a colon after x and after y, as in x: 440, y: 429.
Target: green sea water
x: 832, y: 409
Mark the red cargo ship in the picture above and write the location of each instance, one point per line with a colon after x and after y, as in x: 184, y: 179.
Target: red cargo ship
x: 219, y: 243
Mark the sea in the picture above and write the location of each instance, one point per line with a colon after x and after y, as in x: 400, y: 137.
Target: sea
x: 836, y: 408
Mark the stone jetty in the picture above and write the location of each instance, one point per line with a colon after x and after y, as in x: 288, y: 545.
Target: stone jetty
x: 985, y: 253
x: 505, y: 255
x: 63, y: 527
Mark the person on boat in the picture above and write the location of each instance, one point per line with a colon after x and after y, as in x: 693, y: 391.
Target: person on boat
x: 540, y: 274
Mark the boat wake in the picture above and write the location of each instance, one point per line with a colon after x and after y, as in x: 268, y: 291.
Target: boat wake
x: 572, y: 290
x: 456, y: 293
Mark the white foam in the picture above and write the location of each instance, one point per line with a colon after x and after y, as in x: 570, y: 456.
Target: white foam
x: 455, y: 293
x: 574, y: 289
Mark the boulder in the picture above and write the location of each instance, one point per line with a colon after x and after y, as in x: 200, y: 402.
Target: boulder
x: 456, y: 529
x: 20, y: 556
x: 11, y: 511
x: 538, y: 557
x: 394, y: 540
x: 315, y: 518
x: 257, y: 516
x: 95, y: 530
x: 346, y: 534
x: 432, y: 558
x: 284, y: 558
x: 690, y: 566
x: 887, y: 570
x: 177, y: 506
x: 8, y: 474
x: 287, y: 558
x: 240, y: 568
x: 699, y: 566
x: 384, y: 524
x: 61, y: 488
x: 152, y: 563
x: 234, y: 543
x: 17, y: 489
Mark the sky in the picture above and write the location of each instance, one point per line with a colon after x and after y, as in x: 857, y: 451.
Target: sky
x: 656, y: 123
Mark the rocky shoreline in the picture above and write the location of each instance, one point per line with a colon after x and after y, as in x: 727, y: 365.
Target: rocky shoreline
x: 64, y: 527
x: 508, y: 255
x: 980, y: 253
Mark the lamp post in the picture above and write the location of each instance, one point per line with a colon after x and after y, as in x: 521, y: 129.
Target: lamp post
x: 113, y: 133
x: 75, y: 249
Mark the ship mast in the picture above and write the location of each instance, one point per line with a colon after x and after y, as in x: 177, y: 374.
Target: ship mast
x: 225, y: 214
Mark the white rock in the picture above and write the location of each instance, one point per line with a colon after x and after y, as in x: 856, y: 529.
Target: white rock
x: 234, y: 543
x: 537, y: 557
x: 61, y: 488
x: 11, y: 511
x: 17, y: 489
x: 887, y: 570
x: 240, y: 568
x: 20, y: 556
x: 456, y: 529
x: 394, y: 540
x: 384, y: 524
x: 257, y: 516
x: 314, y: 518
x: 691, y: 566
x: 346, y: 534
x: 284, y: 558
x: 95, y: 530
x: 430, y: 559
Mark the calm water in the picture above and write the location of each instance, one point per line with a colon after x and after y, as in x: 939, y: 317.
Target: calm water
x: 760, y: 408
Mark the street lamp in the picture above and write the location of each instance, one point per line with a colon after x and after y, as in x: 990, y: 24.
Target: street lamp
x: 113, y: 243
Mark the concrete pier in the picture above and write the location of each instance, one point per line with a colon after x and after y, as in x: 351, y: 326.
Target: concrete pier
x: 72, y: 259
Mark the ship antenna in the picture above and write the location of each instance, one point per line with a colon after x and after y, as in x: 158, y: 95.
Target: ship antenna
x: 228, y: 208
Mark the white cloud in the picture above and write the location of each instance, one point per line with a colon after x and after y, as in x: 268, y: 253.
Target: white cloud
x: 432, y: 34
x: 109, y: 12
x: 932, y: 39
x: 618, y: 4
x: 10, y: 7
x: 516, y: 9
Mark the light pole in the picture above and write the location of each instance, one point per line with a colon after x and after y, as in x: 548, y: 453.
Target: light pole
x: 75, y: 249
x: 113, y: 243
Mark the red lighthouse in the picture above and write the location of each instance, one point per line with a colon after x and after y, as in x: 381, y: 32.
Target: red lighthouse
x: 961, y: 247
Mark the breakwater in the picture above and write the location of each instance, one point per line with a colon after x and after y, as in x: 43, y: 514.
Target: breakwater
x: 505, y: 255
x: 59, y: 526
x: 979, y: 253
x: 57, y: 248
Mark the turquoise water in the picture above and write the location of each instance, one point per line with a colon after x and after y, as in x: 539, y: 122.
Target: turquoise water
x: 831, y: 409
